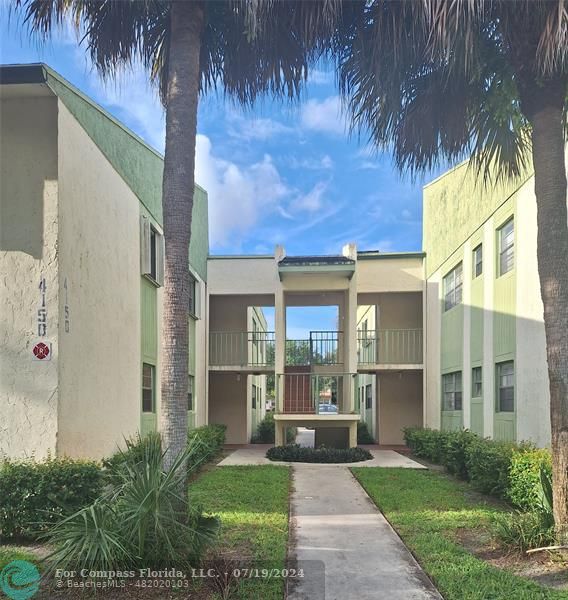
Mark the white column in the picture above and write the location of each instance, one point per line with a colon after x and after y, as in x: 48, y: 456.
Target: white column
x: 466, y: 300
x: 488, y: 372
x: 280, y: 345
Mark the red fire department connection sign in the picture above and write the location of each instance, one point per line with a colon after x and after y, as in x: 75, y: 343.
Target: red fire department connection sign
x: 42, y: 351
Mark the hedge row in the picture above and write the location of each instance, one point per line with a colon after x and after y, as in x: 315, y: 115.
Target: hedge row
x: 297, y: 453
x: 35, y: 495
x: 504, y: 469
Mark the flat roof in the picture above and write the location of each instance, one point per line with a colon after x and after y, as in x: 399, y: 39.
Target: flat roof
x: 376, y: 254
x: 314, y: 261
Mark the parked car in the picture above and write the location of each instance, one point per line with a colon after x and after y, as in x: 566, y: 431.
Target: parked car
x: 327, y: 409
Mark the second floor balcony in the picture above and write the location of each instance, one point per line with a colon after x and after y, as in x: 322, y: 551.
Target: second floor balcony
x: 320, y: 348
x: 241, y: 349
x: 389, y: 347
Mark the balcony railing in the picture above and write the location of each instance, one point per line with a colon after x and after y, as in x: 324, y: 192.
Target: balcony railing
x: 389, y: 346
x: 306, y: 393
x: 321, y: 348
x: 241, y: 348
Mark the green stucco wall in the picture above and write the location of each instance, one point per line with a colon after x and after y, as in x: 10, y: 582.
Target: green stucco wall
x: 455, y: 206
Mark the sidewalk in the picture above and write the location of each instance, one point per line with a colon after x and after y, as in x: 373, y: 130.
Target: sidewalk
x: 334, y: 521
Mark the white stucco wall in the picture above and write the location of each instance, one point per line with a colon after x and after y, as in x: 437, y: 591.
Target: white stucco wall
x: 99, y: 258
x: 28, y: 253
x: 533, y: 394
x: 432, y: 318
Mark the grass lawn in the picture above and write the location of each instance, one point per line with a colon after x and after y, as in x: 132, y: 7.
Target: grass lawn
x: 252, y: 503
x: 428, y: 509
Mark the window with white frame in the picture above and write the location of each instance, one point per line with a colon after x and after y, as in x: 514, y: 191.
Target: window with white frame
x: 151, y: 251
x: 477, y: 261
x: 148, y: 388
x: 368, y: 396
x: 190, y: 386
x: 506, y: 386
x: 506, y: 247
x: 476, y: 383
x: 254, y: 396
x: 453, y: 282
x: 193, y: 287
x: 452, y: 391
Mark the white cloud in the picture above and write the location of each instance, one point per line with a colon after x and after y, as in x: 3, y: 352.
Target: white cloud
x: 325, y: 116
x: 262, y: 129
x: 319, y: 77
x: 238, y: 197
x: 313, y: 164
x: 310, y: 202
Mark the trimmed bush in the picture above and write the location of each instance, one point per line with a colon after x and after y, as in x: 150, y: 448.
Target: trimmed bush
x: 296, y: 453
x: 524, y: 476
x: 488, y: 464
x: 426, y: 443
x: 266, y: 431
x: 454, y: 452
x: 363, y: 435
x: 35, y: 495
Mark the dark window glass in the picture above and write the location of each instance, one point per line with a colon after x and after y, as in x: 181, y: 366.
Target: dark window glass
x: 452, y: 391
x: 476, y: 383
x: 453, y: 282
x: 478, y: 261
x: 506, y: 387
x: 368, y: 396
x: 506, y: 247
x: 147, y: 388
x: 254, y: 396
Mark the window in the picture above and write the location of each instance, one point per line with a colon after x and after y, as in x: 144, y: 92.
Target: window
x: 506, y: 387
x: 254, y: 393
x: 368, y: 396
x: 151, y: 251
x: 476, y: 383
x: 453, y: 288
x: 452, y: 391
x: 506, y: 247
x: 477, y: 261
x: 147, y: 388
x: 192, y: 295
x: 190, y: 384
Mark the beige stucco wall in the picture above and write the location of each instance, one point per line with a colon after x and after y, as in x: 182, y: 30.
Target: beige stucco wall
x: 242, y: 276
x: 100, y: 259
x: 402, y: 274
x: 400, y: 404
x: 228, y: 395
x: 28, y: 252
x: 432, y: 349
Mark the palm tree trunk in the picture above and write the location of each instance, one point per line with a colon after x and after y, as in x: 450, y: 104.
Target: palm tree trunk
x: 552, y: 219
x: 179, y: 165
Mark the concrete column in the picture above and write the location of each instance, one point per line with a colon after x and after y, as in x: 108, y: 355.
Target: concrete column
x: 350, y: 341
x: 280, y: 346
x: 488, y: 372
x: 466, y: 300
x: 279, y: 433
x: 353, y: 434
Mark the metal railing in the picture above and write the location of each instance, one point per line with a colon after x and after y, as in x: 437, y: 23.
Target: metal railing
x: 321, y: 348
x: 241, y: 348
x: 389, y: 346
x: 306, y: 393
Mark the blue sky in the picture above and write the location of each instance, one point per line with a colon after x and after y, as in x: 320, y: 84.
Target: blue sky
x: 276, y: 174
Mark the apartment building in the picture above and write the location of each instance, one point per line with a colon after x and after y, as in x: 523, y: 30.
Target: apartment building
x: 448, y: 338
x: 486, y: 366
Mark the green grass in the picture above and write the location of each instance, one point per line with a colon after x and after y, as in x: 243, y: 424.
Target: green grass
x: 252, y: 503
x: 10, y: 553
x: 427, y: 509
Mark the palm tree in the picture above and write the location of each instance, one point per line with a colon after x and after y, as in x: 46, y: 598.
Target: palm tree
x: 437, y: 80
x: 242, y: 47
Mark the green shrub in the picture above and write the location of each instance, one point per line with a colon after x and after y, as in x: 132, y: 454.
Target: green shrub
x: 142, y: 519
x: 488, y: 463
x: 363, y: 435
x: 34, y: 495
x: 522, y: 531
x: 426, y: 443
x: 524, y: 476
x: 454, y: 452
x: 266, y: 431
x: 205, y: 443
x: 296, y: 453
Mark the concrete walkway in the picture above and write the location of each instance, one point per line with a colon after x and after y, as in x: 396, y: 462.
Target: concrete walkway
x: 334, y: 521
x: 255, y: 455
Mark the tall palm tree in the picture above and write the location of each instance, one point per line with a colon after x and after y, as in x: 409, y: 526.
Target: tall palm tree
x: 242, y: 47
x: 442, y: 79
